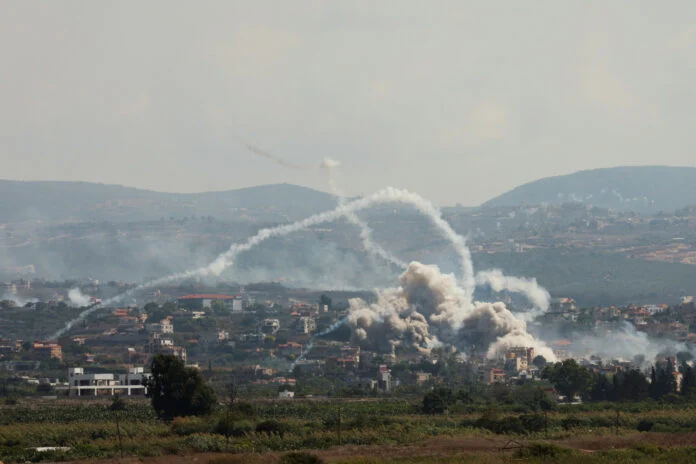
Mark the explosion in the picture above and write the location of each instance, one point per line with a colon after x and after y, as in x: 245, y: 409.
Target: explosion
x: 429, y: 309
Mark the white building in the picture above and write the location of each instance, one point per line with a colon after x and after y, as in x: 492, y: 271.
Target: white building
x: 306, y: 325
x: 270, y: 326
x: 131, y: 383
x: 164, y: 326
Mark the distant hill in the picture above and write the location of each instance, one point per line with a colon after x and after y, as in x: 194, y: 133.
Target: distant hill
x: 84, y: 201
x: 643, y: 189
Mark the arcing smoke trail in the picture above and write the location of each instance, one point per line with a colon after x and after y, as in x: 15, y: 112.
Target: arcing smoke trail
x: 331, y: 165
x: 225, y: 260
x: 495, y: 278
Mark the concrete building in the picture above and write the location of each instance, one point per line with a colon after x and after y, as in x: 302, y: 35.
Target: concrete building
x: 49, y: 350
x: 384, y: 378
x: 493, y: 375
x: 129, y: 384
x: 164, y: 326
x: 159, y: 344
x: 306, y: 324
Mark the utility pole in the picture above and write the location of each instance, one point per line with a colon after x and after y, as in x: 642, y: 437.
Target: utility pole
x: 118, y: 432
x: 339, y: 423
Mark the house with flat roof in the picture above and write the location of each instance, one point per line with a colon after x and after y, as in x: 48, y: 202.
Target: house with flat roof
x: 109, y: 384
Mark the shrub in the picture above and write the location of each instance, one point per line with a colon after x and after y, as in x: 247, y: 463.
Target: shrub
x: 272, y: 427
x: 233, y: 428
x: 571, y: 422
x: 206, y: 443
x: 644, y: 425
x: 189, y: 425
x: 533, y: 422
x: 648, y: 449
x: 300, y: 457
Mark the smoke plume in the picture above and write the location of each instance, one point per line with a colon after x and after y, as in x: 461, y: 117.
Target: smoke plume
x: 624, y: 344
x: 227, y: 259
x: 535, y: 293
x: 430, y: 309
x: 373, y: 248
x: 77, y: 298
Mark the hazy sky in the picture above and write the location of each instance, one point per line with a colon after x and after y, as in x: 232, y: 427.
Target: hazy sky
x: 458, y: 101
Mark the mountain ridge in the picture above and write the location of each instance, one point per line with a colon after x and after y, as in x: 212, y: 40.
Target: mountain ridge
x: 643, y: 189
x: 81, y: 200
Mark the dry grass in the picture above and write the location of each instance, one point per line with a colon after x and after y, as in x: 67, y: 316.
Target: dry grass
x: 440, y: 449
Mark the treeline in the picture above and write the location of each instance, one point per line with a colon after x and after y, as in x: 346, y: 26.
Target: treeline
x: 570, y: 382
x: 664, y: 385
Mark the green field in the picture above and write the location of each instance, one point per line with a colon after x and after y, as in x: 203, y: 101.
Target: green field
x: 367, y: 431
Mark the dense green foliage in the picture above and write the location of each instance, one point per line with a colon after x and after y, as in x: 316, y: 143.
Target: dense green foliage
x: 177, y: 390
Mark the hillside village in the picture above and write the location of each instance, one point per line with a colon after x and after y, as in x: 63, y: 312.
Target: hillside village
x: 258, y: 338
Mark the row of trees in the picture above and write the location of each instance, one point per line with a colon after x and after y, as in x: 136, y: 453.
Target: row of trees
x: 571, y: 380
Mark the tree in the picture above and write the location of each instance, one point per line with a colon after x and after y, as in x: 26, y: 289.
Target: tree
x: 684, y: 356
x: 177, y: 390
x: 634, y: 386
x: 150, y: 308
x: 688, y: 384
x: 539, y: 362
x: 324, y: 300
x: 602, y: 389
x: 662, y: 381
x: 569, y: 378
x: 437, y: 401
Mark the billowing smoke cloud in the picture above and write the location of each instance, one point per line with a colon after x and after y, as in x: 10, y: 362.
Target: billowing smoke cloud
x: 18, y: 300
x: 78, y: 299
x: 625, y: 343
x: 535, y: 293
x: 429, y: 309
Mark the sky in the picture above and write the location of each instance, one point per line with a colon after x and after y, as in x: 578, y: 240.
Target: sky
x: 458, y: 101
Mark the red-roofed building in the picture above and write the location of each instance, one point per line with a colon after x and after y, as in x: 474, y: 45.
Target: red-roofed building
x: 494, y: 375
x: 49, y: 350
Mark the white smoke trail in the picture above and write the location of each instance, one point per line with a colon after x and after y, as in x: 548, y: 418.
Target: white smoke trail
x: 226, y: 259
x: 535, y: 293
x: 372, y: 247
x: 270, y: 156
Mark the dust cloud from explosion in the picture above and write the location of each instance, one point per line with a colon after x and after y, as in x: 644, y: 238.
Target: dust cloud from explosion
x: 429, y: 309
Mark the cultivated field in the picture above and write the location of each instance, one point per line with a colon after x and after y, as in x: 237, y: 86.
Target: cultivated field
x: 348, y: 432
